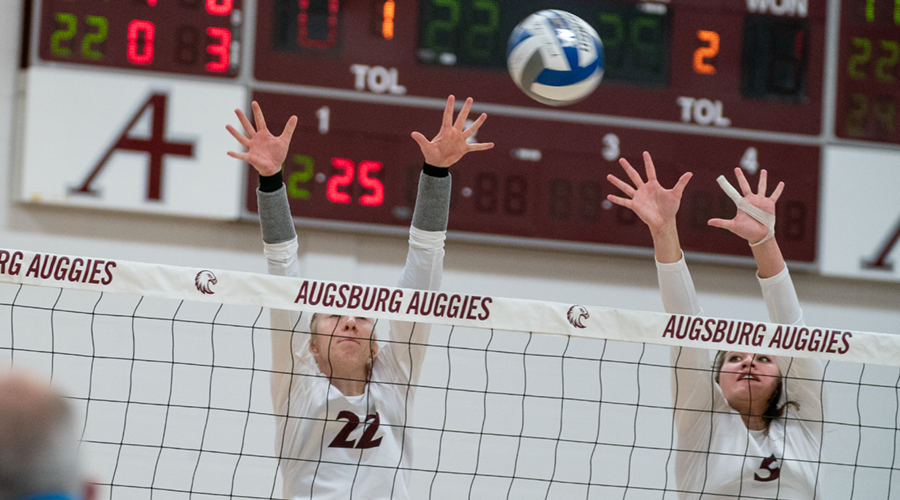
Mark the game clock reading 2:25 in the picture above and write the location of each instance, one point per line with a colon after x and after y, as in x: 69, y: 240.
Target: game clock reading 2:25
x: 197, y: 37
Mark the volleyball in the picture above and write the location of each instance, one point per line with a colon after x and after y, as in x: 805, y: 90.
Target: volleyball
x: 555, y: 57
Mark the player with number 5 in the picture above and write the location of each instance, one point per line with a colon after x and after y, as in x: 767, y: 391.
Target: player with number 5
x: 750, y: 427
x: 342, y: 401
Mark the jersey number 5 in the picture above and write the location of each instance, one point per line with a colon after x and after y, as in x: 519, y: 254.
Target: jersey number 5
x: 767, y: 464
x: 366, y: 441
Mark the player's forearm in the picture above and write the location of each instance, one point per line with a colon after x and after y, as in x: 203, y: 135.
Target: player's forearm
x: 676, y: 287
x: 433, y: 199
x: 768, y: 257
x: 781, y: 298
x: 666, y: 245
x: 424, y: 261
x: 274, y: 211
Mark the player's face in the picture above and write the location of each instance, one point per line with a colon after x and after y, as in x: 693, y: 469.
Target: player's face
x: 344, y: 344
x: 748, y: 378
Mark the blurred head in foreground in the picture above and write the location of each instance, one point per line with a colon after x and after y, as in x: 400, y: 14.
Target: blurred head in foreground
x: 38, y: 442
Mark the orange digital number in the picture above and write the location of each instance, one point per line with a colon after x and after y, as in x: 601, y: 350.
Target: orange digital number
x: 706, y: 52
x: 387, y: 25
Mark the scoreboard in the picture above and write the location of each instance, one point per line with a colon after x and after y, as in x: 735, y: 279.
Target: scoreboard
x: 703, y: 85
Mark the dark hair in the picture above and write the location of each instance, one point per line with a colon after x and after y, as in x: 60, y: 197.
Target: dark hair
x: 773, y: 409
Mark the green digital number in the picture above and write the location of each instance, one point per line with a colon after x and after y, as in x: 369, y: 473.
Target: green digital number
x: 857, y: 109
x: 436, y: 26
x: 648, y: 50
x: 612, y: 36
x: 303, y: 176
x: 63, y: 34
x: 884, y: 111
x: 889, y: 61
x: 98, y: 37
x: 475, y: 38
x: 860, y: 58
x: 870, y: 11
x: 612, y: 32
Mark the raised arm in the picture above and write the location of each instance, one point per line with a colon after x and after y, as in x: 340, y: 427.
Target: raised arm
x: 266, y: 153
x: 424, y: 262
x: 802, y: 375
x: 658, y: 207
x: 429, y: 224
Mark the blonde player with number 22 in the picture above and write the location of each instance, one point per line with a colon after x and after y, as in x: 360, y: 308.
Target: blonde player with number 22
x: 744, y: 429
x: 346, y: 401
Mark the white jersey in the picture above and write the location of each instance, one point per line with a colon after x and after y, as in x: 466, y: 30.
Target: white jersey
x: 336, y: 447
x: 718, y: 458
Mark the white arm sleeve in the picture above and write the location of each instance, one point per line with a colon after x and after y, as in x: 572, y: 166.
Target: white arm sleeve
x: 280, y: 248
x: 424, y: 266
x: 677, y: 288
x: 692, y: 382
x: 781, y: 299
x: 802, y: 376
x: 290, y: 343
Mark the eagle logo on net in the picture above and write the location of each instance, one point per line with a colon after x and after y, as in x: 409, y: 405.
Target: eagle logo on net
x: 576, y: 315
x: 204, y: 281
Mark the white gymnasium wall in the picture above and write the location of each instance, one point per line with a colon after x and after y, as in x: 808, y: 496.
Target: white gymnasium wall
x: 607, y: 280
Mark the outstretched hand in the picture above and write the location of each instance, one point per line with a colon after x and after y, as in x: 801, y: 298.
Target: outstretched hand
x: 450, y: 144
x: 264, y: 151
x: 654, y: 204
x: 743, y: 224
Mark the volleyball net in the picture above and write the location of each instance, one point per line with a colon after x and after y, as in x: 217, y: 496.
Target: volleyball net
x: 170, y: 371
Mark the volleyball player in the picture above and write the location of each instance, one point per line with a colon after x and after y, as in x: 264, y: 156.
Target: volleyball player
x: 744, y: 429
x: 347, y: 400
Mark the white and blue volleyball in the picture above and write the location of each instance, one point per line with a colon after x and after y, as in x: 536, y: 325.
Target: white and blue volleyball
x: 555, y: 57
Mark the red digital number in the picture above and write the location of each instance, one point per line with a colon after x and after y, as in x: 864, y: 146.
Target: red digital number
x: 219, y: 7
x: 221, y: 49
x: 337, y: 181
x: 377, y: 196
x: 303, y: 26
x: 373, y: 199
x: 135, y: 28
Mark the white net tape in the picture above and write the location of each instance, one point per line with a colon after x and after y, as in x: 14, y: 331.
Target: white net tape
x: 517, y: 399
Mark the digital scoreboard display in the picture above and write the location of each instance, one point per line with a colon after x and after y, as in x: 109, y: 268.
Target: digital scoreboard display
x: 196, y: 37
x: 365, y: 168
x: 704, y: 85
x: 868, y: 102
x: 701, y: 62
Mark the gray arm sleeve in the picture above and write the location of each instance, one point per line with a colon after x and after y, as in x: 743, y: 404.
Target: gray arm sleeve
x: 275, y: 216
x: 432, y: 203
